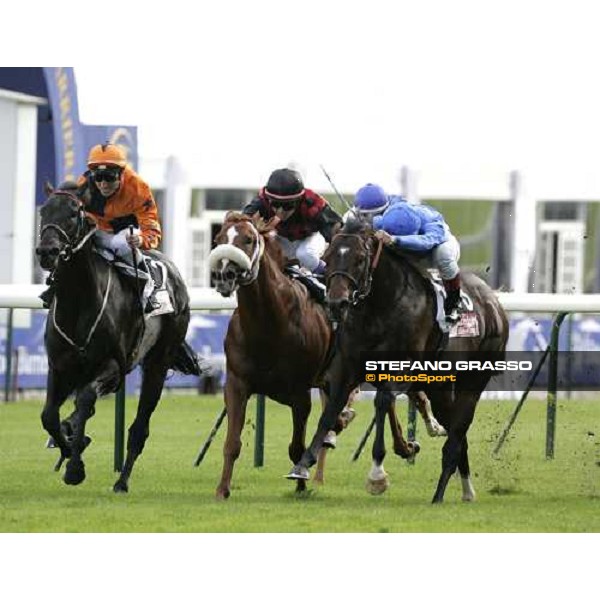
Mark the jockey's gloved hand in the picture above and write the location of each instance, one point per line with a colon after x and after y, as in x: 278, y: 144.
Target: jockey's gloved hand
x: 134, y: 240
x: 385, y: 237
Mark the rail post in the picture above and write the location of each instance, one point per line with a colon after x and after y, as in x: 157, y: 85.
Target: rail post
x: 8, y: 355
x: 552, y: 385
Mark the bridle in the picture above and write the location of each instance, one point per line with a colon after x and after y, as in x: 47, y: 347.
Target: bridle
x: 362, y: 284
x: 252, y: 274
x: 247, y: 276
x: 79, y: 240
x: 71, y: 247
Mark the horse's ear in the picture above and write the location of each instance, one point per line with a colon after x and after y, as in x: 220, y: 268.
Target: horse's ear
x: 48, y: 188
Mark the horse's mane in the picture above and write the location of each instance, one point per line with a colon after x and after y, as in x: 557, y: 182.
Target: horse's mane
x: 356, y: 226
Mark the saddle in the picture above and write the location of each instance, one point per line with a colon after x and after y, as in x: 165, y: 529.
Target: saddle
x: 467, y: 325
x: 155, y: 295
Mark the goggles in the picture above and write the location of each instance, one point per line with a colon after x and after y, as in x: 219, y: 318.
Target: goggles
x: 108, y: 175
x: 285, y: 205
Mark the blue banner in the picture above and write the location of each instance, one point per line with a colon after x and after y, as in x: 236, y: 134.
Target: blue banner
x: 30, y: 362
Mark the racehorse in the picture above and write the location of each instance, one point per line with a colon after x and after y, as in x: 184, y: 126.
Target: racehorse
x: 278, y: 340
x: 95, y: 333
x: 383, y: 302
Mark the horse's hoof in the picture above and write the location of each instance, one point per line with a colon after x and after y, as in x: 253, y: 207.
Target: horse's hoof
x: 222, y: 494
x: 415, y: 446
x: 298, y: 472
x: 120, y: 487
x: 376, y: 487
x: 435, y: 430
x: 330, y: 440
x: 74, y: 473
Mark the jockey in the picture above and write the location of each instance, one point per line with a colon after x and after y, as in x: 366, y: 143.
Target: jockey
x: 306, y: 220
x: 117, y: 198
x: 418, y: 229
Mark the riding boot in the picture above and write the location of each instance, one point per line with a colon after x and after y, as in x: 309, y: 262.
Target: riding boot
x: 155, y: 280
x: 452, y: 304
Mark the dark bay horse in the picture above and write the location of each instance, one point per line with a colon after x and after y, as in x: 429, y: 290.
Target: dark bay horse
x: 382, y: 302
x: 278, y: 339
x: 95, y: 333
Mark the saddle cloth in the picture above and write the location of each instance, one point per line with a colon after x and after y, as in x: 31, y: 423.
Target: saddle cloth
x: 467, y: 325
x: 155, y: 277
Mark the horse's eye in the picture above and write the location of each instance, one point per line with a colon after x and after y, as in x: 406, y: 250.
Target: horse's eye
x: 247, y: 240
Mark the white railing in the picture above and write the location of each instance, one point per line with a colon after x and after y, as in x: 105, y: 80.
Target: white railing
x: 26, y: 296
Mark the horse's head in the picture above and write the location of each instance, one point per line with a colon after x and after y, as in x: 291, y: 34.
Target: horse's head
x: 63, y: 226
x: 236, y: 257
x: 349, y: 260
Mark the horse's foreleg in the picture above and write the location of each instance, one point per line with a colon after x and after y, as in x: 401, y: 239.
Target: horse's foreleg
x: 434, y: 429
x: 152, y: 385
x: 322, y: 455
x: 236, y: 400
x: 468, y: 491
x: 301, y: 406
x: 57, y: 391
x: 337, y: 400
x: 84, y: 408
x: 402, y: 447
x: 378, y: 481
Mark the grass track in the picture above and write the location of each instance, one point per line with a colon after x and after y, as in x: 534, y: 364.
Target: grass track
x: 520, y: 491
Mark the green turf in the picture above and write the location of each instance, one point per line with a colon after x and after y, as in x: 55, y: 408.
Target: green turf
x: 520, y: 491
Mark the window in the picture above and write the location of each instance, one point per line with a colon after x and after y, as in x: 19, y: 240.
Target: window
x: 225, y: 199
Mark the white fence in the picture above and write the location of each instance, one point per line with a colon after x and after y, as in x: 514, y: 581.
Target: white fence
x: 26, y: 296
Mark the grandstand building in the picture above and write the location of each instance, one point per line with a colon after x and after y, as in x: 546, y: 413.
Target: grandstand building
x: 523, y: 231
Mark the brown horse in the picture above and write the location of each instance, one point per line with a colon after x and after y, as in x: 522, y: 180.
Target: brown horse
x: 278, y: 340
x: 382, y: 302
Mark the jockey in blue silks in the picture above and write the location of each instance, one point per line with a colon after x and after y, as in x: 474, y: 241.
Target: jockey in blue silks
x: 418, y: 229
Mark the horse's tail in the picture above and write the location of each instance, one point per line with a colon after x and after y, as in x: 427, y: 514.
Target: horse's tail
x: 186, y: 360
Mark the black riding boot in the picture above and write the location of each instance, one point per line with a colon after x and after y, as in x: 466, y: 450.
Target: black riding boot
x: 452, y: 304
x: 156, y: 276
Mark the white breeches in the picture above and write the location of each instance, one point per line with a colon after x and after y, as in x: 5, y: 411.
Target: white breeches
x: 117, y: 243
x: 308, y: 251
x: 444, y: 258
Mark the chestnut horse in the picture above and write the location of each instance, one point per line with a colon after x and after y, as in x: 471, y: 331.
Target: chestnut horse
x: 278, y: 340
x: 382, y: 302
